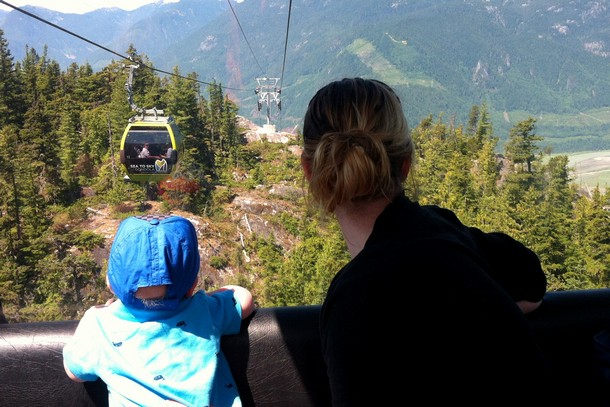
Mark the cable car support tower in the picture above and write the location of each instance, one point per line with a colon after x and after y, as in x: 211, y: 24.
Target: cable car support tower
x: 268, y: 93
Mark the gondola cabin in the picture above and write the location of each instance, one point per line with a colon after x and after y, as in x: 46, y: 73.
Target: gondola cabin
x: 149, y: 148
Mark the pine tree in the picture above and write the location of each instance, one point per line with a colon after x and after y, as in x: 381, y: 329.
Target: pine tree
x: 12, y: 106
x: 552, y: 232
x: 593, y: 222
x: 520, y: 151
x: 431, y: 160
x: 521, y: 147
x: 182, y: 99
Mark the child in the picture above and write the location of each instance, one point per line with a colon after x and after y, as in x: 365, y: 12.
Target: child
x: 158, y: 343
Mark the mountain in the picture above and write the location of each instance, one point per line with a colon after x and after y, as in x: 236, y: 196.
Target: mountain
x: 151, y: 28
x: 549, y: 59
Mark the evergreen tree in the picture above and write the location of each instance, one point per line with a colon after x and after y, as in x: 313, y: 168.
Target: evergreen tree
x: 304, y: 276
x: 230, y: 132
x: 457, y: 192
x: 486, y: 169
x: 520, y: 151
x: 593, y: 235
x: 431, y: 160
x: 11, y: 236
x: 521, y: 147
x: 213, y: 117
x: 12, y: 105
x: 182, y: 99
x: 109, y: 123
x: 552, y: 231
x: 23, y: 221
x: 479, y: 127
x: 473, y: 119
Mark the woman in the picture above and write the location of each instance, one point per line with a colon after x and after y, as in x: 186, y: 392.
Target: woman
x: 427, y: 309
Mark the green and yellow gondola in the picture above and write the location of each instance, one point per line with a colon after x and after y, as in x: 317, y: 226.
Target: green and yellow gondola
x: 150, y: 147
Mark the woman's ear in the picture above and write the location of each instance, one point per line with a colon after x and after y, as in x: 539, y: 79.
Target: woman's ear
x: 306, y: 168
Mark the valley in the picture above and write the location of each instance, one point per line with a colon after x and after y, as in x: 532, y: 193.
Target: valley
x: 591, y: 169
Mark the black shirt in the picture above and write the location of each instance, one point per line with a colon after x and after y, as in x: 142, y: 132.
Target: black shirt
x: 426, y: 314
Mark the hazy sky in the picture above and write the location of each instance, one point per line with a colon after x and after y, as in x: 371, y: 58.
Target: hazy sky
x: 81, y: 6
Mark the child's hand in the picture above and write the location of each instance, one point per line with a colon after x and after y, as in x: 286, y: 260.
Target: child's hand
x: 110, y: 301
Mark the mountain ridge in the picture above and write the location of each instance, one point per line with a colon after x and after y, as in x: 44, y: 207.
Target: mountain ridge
x: 546, y: 59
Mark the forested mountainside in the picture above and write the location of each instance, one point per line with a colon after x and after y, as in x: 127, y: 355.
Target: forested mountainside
x: 548, y: 59
x: 60, y: 175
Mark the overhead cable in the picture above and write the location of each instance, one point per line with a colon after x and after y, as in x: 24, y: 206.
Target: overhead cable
x: 104, y: 48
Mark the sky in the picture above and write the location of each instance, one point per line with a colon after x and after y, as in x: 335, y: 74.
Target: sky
x: 81, y: 6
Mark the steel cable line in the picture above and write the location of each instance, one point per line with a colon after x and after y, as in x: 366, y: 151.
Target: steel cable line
x: 244, y: 34
x: 285, y: 41
x: 107, y: 49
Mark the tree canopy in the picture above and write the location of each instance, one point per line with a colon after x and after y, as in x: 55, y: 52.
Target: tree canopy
x: 60, y: 135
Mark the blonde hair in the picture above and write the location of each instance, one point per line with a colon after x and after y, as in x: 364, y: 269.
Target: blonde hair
x: 355, y: 141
